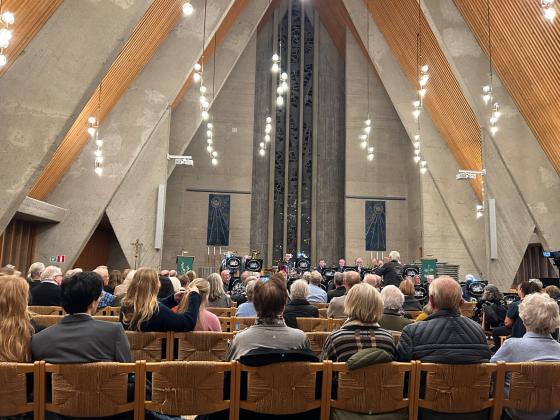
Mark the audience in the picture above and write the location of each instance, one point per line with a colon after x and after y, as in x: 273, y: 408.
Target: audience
x: 445, y: 336
x: 492, y: 305
x: 553, y: 292
x: 339, y: 289
x: 364, y: 308
x: 34, y: 274
x: 121, y: 289
x: 336, y: 307
x: 299, y: 306
x: 16, y: 327
x: 541, y: 318
x: 226, y: 276
x: 393, y: 318
x: 248, y: 308
x: 141, y: 311
x: 48, y: 292
x: 269, y: 332
x: 115, y: 278
x: 316, y: 292
x: 426, y: 312
x: 191, y: 275
x: 206, y: 321
x: 409, y: 292
x: 374, y: 280
x: 166, y: 287
x: 78, y: 338
x: 217, y: 298
x: 174, y: 280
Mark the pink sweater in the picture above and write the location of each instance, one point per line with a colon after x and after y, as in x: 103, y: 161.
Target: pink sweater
x: 207, y: 321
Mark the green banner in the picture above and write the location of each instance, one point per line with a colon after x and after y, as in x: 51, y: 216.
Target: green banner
x: 184, y: 264
x: 428, y: 268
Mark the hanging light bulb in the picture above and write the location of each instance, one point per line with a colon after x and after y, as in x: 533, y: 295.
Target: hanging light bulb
x: 284, y: 76
x: 214, y: 161
x: 210, y: 126
x: 422, y: 92
x: 8, y: 18
x: 98, y: 153
x: 268, y: 120
x: 205, y: 115
x: 214, y: 154
x: 196, y: 77
x: 268, y: 128
x: 367, y: 129
x: 370, y: 156
x: 91, y: 131
x: 203, y: 89
x: 209, y: 133
x: 496, y: 111
x: 424, y: 68
x: 416, y: 113
x: 417, y: 152
x: 370, y: 149
x: 284, y: 86
x: 548, y: 10
x: 99, y: 142
x: 363, y: 144
x: 209, y: 141
x: 3, y: 60
x: 416, y: 145
x: 486, y: 94
x: 417, y: 159
x: 188, y: 8
x: 5, y: 35
x: 91, y: 120
x: 280, y: 101
x: 262, y: 152
x: 267, y: 138
x: 280, y: 90
x: 209, y: 149
x: 423, y: 167
x: 493, y: 130
x: 98, y: 170
x: 363, y: 136
x: 197, y: 67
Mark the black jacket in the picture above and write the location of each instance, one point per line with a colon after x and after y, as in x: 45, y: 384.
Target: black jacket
x: 45, y: 294
x: 444, y: 337
x: 299, y: 308
x: 339, y: 291
x: 389, y: 273
x: 411, y: 304
x: 165, y: 288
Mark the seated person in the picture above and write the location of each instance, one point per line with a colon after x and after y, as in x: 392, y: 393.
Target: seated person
x: 298, y: 305
x: 336, y: 306
x: 374, y: 280
x: 206, y: 321
x: 410, y: 301
x: 248, y: 308
x: 339, y: 289
x: 217, y: 297
x: 79, y: 338
x: 364, y: 308
x: 141, y: 311
x: 48, y: 292
x: 269, y: 332
x: 445, y: 336
x: 316, y: 292
x: 492, y: 305
x: 541, y: 318
x: 393, y: 318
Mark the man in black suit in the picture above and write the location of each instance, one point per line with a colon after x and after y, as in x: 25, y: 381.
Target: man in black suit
x: 78, y: 338
x: 341, y: 265
x: 47, y: 293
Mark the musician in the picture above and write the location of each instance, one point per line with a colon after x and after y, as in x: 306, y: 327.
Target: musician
x: 341, y: 265
x: 321, y: 266
x: 359, y: 262
x: 287, y: 265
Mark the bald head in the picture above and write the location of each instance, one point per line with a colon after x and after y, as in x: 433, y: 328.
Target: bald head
x: 373, y: 280
x: 104, y: 273
x: 351, y: 278
x: 445, y: 293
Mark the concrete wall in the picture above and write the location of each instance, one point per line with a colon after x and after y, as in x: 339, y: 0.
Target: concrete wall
x: 392, y: 173
x: 187, y: 211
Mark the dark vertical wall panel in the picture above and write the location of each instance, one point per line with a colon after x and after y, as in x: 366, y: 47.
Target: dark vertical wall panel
x: 17, y: 244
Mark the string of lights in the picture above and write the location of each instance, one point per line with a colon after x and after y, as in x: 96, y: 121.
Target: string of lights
x: 6, y: 19
x: 423, y: 76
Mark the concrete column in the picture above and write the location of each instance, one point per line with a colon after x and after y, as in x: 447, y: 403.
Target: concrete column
x: 47, y: 86
x: 127, y: 129
x: 520, y: 176
x: 457, y: 198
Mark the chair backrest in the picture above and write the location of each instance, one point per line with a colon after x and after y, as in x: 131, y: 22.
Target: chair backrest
x: 379, y: 388
x: 413, y: 314
x: 90, y: 389
x: 47, y: 320
x: 109, y: 311
x: 313, y: 324
x: 294, y: 393
x: 225, y: 323
x: 106, y: 318
x: 467, y: 309
x: 189, y: 388
x: 323, y: 312
x: 201, y: 346
x: 46, y: 310
x: 457, y: 388
x: 396, y: 336
x: 533, y: 386
x: 222, y: 311
x: 336, y: 323
x: 13, y: 392
x: 149, y: 346
x: 317, y: 340
x: 321, y: 305
x: 243, y: 322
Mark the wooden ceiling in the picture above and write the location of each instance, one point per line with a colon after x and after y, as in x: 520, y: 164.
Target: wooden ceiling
x: 30, y: 17
x: 526, y: 56
x: 160, y: 18
x: 448, y: 108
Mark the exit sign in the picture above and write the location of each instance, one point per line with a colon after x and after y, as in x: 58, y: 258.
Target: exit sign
x: 57, y: 259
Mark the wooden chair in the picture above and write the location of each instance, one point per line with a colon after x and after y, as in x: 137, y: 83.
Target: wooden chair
x: 323, y: 312
x: 107, y: 318
x: 47, y: 320
x: 313, y: 324
x: 188, y: 388
x: 46, y: 310
x: 13, y: 392
x: 467, y: 309
x: 456, y: 388
x: 244, y: 322
x: 373, y: 389
x: 222, y: 311
x: 534, y: 386
x: 321, y: 305
x: 109, y: 311
x: 149, y: 346
x: 90, y: 389
x: 282, y: 388
x: 396, y: 336
x: 317, y: 340
x: 413, y: 314
x: 336, y: 323
x: 225, y: 323
x: 201, y: 346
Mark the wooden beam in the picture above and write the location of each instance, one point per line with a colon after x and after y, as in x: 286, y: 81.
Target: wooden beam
x: 160, y: 18
x: 30, y: 17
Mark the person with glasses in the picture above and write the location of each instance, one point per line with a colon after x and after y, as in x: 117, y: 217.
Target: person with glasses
x: 48, y: 292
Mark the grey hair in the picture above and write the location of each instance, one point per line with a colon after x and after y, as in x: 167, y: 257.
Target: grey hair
x: 395, y: 255
x: 491, y: 292
x: 299, y: 289
x: 373, y: 280
x: 306, y: 276
x: 540, y: 313
x: 392, y: 297
x: 250, y: 287
x: 49, y: 272
x: 35, y: 269
x: 446, y: 293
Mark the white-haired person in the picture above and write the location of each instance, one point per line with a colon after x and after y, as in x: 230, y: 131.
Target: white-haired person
x: 541, y: 317
x: 393, y: 300
x: 217, y: 298
x: 364, y: 307
x: 316, y: 293
x: 248, y: 308
x: 48, y: 292
x: 299, y: 306
x: 374, y: 280
x: 391, y: 270
x: 34, y: 274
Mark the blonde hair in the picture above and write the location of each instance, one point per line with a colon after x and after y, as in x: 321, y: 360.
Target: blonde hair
x: 216, y: 287
x: 191, y: 275
x: 299, y: 289
x: 203, y: 287
x: 540, y: 313
x: 363, y: 303
x: 15, y: 328
x: 140, y: 302
x: 35, y: 269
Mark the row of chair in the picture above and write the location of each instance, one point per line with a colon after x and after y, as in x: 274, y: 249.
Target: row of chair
x: 198, y: 388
